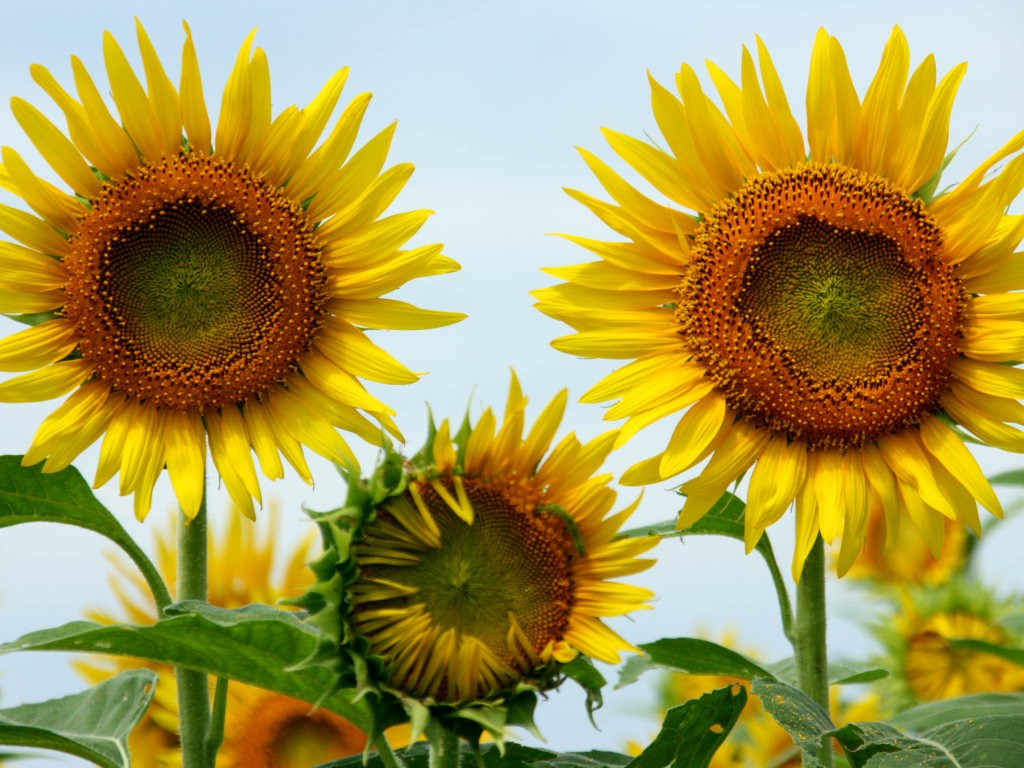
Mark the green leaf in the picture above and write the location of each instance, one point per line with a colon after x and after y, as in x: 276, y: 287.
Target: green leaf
x: 692, y: 656
x: 256, y: 644
x: 838, y: 673
x: 1010, y: 477
x: 1014, y: 623
x: 93, y: 725
x: 803, y: 719
x: 693, y: 732
x: 863, y: 741
x: 982, y: 742
x: 934, y: 713
x: 516, y: 756
x: 27, y: 495
x: 1013, y: 655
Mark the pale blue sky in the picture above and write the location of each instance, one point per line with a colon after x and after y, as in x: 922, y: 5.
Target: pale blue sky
x: 491, y: 100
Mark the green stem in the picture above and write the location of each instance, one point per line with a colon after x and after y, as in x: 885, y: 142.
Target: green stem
x: 215, y: 737
x: 193, y: 686
x: 387, y: 754
x: 811, y: 652
x: 781, y: 592
x: 444, y: 750
x: 161, y: 595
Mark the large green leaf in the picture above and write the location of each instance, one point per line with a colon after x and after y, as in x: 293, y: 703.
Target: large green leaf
x: 803, y: 719
x: 27, y: 495
x: 934, y: 713
x: 864, y: 741
x: 692, y: 656
x: 257, y: 645
x: 693, y: 732
x: 977, y: 742
x: 516, y: 756
x: 93, y: 725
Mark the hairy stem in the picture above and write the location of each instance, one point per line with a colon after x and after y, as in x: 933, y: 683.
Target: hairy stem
x: 811, y: 653
x: 193, y: 687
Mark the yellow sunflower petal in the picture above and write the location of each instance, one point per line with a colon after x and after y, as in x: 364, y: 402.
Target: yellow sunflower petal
x: 695, y: 436
x: 46, y: 383
x: 186, y: 459
x: 37, y: 346
x: 58, y: 209
x: 194, y: 117
x: 56, y: 148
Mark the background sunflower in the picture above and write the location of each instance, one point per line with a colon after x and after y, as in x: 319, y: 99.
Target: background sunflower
x: 493, y: 143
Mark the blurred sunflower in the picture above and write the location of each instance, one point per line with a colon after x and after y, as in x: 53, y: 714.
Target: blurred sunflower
x: 933, y: 668
x: 262, y: 729
x: 817, y: 311
x: 470, y: 574
x: 201, y: 285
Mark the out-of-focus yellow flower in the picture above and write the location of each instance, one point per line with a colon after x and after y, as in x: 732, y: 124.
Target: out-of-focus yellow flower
x: 934, y: 669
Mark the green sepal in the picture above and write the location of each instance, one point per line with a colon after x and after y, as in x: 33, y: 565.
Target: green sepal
x: 582, y: 671
x: 33, y: 318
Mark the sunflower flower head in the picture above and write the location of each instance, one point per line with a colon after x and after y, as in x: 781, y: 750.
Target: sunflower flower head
x: 806, y: 304
x: 204, y: 286
x: 926, y: 653
x: 262, y: 729
x: 457, y: 584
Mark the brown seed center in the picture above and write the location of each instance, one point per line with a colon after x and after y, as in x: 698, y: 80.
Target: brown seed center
x: 194, y: 283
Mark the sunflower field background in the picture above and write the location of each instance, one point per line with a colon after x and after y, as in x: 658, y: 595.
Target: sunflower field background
x: 491, y: 102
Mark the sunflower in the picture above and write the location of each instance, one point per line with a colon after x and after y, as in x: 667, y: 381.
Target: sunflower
x: 933, y: 668
x: 263, y: 729
x: 473, y: 572
x: 813, y: 310
x: 203, y: 285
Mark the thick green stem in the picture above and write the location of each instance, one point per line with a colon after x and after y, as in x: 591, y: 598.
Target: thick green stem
x: 444, y: 750
x: 193, y: 687
x: 812, y: 656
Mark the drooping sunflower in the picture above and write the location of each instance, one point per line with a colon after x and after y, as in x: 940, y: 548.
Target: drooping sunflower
x: 262, y: 729
x: 461, y: 581
x: 813, y: 309
x: 204, y: 286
